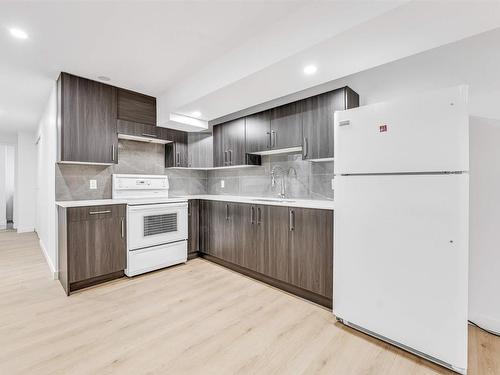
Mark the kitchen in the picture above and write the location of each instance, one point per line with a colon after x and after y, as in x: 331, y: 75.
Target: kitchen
x: 233, y: 233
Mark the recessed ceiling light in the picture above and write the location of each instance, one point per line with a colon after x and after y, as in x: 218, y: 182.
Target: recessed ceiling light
x: 310, y: 69
x: 196, y: 114
x: 18, y: 33
x: 104, y: 78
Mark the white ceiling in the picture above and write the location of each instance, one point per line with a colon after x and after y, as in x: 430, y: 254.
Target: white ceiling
x: 144, y: 46
x: 403, y: 31
x: 214, y: 56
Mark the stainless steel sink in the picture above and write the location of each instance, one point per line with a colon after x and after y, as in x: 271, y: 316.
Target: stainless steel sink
x: 278, y: 200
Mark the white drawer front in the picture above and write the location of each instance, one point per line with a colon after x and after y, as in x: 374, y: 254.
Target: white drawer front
x: 153, y: 258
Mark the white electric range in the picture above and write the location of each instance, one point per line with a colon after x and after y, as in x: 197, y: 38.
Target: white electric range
x: 157, y: 226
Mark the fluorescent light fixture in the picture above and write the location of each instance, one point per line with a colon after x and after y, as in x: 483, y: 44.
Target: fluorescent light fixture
x: 310, y: 69
x: 196, y: 114
x: 18, y: 33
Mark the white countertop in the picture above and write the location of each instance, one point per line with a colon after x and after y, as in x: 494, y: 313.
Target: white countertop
x: 288, y: 202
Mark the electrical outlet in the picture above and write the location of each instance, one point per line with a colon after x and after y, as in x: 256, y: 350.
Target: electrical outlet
x: 222, y: 184
x: 333, y: 188
x: 93, y: 184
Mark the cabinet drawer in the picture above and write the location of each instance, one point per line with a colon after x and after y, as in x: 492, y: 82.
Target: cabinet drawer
x: 153, y: 258
x: 96, y: 212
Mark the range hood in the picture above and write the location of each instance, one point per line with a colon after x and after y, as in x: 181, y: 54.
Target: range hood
x: 143, y: 138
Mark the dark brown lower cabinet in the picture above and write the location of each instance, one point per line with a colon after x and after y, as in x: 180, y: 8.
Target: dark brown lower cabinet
x: 92, y: 245
x: 193, y: 228
x: 310, y: 242
x: 291, y: 248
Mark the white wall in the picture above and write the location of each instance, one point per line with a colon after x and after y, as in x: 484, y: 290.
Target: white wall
x: 25, y: 201
x: 46, y: 209
x: 484, y: 268
x: 3, y: 187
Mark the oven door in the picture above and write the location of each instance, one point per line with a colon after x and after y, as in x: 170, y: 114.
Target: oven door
x: 156, y: 224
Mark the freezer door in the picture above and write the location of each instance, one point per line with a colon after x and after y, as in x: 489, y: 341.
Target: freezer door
x: 422, y: 133
x: 401, y: 258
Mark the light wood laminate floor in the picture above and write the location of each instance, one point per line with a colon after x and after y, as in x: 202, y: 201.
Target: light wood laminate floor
x: 197, y: 318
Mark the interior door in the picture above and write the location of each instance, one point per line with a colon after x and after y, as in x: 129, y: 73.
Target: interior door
x: 401, y: 259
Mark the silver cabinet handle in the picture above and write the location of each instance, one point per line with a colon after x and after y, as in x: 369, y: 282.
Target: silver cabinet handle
x: 269, y: 145
x: 113, y: 152
x: 225, y: 157
x: 305, y: 148
x: 150, y: 135
x: 291, y: 220
x: 227, y: 212
x: 123, y: 227
x: 259, y: 216
x: 99, y: 212
x: 178, y: 158
x: 252, y: 215
x: 274, y: 136
x: 230, y: 157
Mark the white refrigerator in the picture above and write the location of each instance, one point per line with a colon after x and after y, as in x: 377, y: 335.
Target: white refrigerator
x: 401, y: 223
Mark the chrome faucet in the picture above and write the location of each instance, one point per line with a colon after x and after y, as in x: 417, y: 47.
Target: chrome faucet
x: 279, y: 171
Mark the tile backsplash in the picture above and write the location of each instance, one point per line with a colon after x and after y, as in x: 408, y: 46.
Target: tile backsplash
x: 72, y: 180
x: 303, y: 179
x: 310, y: 180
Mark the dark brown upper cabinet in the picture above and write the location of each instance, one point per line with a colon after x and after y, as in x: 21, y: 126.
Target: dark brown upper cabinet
x: 176, y: 152
x: 258, y: 132
x: 318, y: 121
x: 136, y: 107
x: 286, y: 126
x: 229, y: 143
x: 86, y: 121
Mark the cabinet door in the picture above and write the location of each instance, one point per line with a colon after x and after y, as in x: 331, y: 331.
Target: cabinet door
x: 217, y: 221
x: 318, y: 124
x: 136, y: 107
x: 233, y: 141
x: 311, y: 250
x: 286, y: 126
x: 137, y: 129
x: 193, y: 227
x: 219, y: 154
x: 200, y: 150
x: 87, y: 120
x: 96, y: 241
x: 261, y: 237
x: 205, y: 216
x: 276, y: 265
x: 258, y: 132
x: 176, y: 153
x: 246, y: 237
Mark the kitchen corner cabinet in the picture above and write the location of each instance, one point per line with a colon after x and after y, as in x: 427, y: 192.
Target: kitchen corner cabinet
x: 87, y: 112
x: 193, y: 228
x: 318, y: 121
x: 229, y: 143
x: 92, y: 245
x: 176, y: 152
x: 291, y: 248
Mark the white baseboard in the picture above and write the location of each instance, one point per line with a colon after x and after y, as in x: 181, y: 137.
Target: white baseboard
x: 55, y: 274
x: 486, y: 322
x: 25, y: 230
